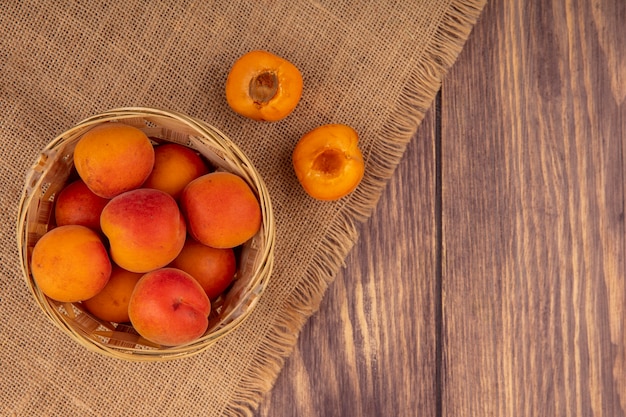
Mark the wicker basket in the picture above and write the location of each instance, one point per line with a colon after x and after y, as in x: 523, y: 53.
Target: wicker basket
x: 51, y: 172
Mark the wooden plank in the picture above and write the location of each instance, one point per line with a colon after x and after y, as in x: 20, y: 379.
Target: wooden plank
x: 533, y: 274
x: 371, y: 348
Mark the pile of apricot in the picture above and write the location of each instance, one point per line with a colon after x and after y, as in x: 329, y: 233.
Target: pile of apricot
x: 145, y: 233
x: 327, y: 160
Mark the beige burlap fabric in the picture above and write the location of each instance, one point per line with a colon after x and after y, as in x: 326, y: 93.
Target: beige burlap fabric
x: 375, y: 65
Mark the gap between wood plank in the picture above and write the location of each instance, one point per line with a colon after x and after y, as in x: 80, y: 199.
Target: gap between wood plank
x: 438, y: 262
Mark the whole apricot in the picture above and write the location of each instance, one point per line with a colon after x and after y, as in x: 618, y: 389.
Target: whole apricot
x: 263, y: 86
x: 169, y: 307
x: 70, y: 263
x: 145, y: 228
x: 111, y: 304
x: 221, y: 210
x: 328, y: 162
x: 77, y: 204
x: 113, y: 158
x: 174, y: 167
x: 213, y: 268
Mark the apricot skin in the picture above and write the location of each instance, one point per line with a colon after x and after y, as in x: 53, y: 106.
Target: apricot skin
x: 174, y: 167
x: 111, y: 304
x: 77, y: 204
x: 113, y: 158
x: 145, y: 229
x: 169, y: 307
x: 328, y: 162
x: 260, y: 68
x: 70, y: 263
x: 213, y: 268
x: 221, y: 210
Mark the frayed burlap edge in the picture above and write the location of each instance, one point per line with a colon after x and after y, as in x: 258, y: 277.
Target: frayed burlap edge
x: 417, y: 97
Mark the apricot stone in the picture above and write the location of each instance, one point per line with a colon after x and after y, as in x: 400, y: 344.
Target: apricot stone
x: 145, y: 228
x: 70, y: 263
x: 113, y: 158
x: 169, y: 307
x: 221, y: 210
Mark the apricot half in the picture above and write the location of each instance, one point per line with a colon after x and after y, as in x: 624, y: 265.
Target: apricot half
x: 328, y: 162
x: 263, y: 86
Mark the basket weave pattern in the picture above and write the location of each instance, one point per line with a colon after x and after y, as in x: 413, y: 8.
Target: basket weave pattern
x: 50, y: 174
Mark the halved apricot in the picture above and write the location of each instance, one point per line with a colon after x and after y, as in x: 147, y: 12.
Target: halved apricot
x: 328, y: 161
x: 263, y: 86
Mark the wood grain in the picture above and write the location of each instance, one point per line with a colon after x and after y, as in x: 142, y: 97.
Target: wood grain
x: 371, y: 348
x: 533, y: 130
x: 490, y: 281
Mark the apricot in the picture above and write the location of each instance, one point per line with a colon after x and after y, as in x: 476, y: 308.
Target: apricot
x: 111, y: 304
x: 113, y: 158
x: 328, y: 162
x: 221, y: 210
x: 213, y: 268
x: 263, y: 86
x: 77, y: 204
x: 145, y: 228
x: 169, y: 307
x: 70, y: 263
x: 174, y: 167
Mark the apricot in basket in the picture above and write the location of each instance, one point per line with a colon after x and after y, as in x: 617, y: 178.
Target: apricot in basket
x: 221, y: 210
x: 70, y: 263
x: 113, y: 157
x: 111, y: 304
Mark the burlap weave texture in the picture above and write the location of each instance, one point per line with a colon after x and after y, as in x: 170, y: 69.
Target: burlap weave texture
x: 373, y: 65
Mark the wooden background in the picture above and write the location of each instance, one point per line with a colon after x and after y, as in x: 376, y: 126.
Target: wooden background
x: 490, y: 281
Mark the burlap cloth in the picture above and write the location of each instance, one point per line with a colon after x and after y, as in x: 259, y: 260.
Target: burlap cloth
x: 373, y: 65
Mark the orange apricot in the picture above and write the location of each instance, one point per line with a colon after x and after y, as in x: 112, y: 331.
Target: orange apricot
x: 263, y: 86
x: 213, y: 268
x: 169, y: 307
x: 77, y: 204
x: 328, y: 162
x: 113, y: 157
x: 221, y: 210
x: 145, y: 228
x: 174, y: 167
x: 70, y: 263
x: 111, y: 304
